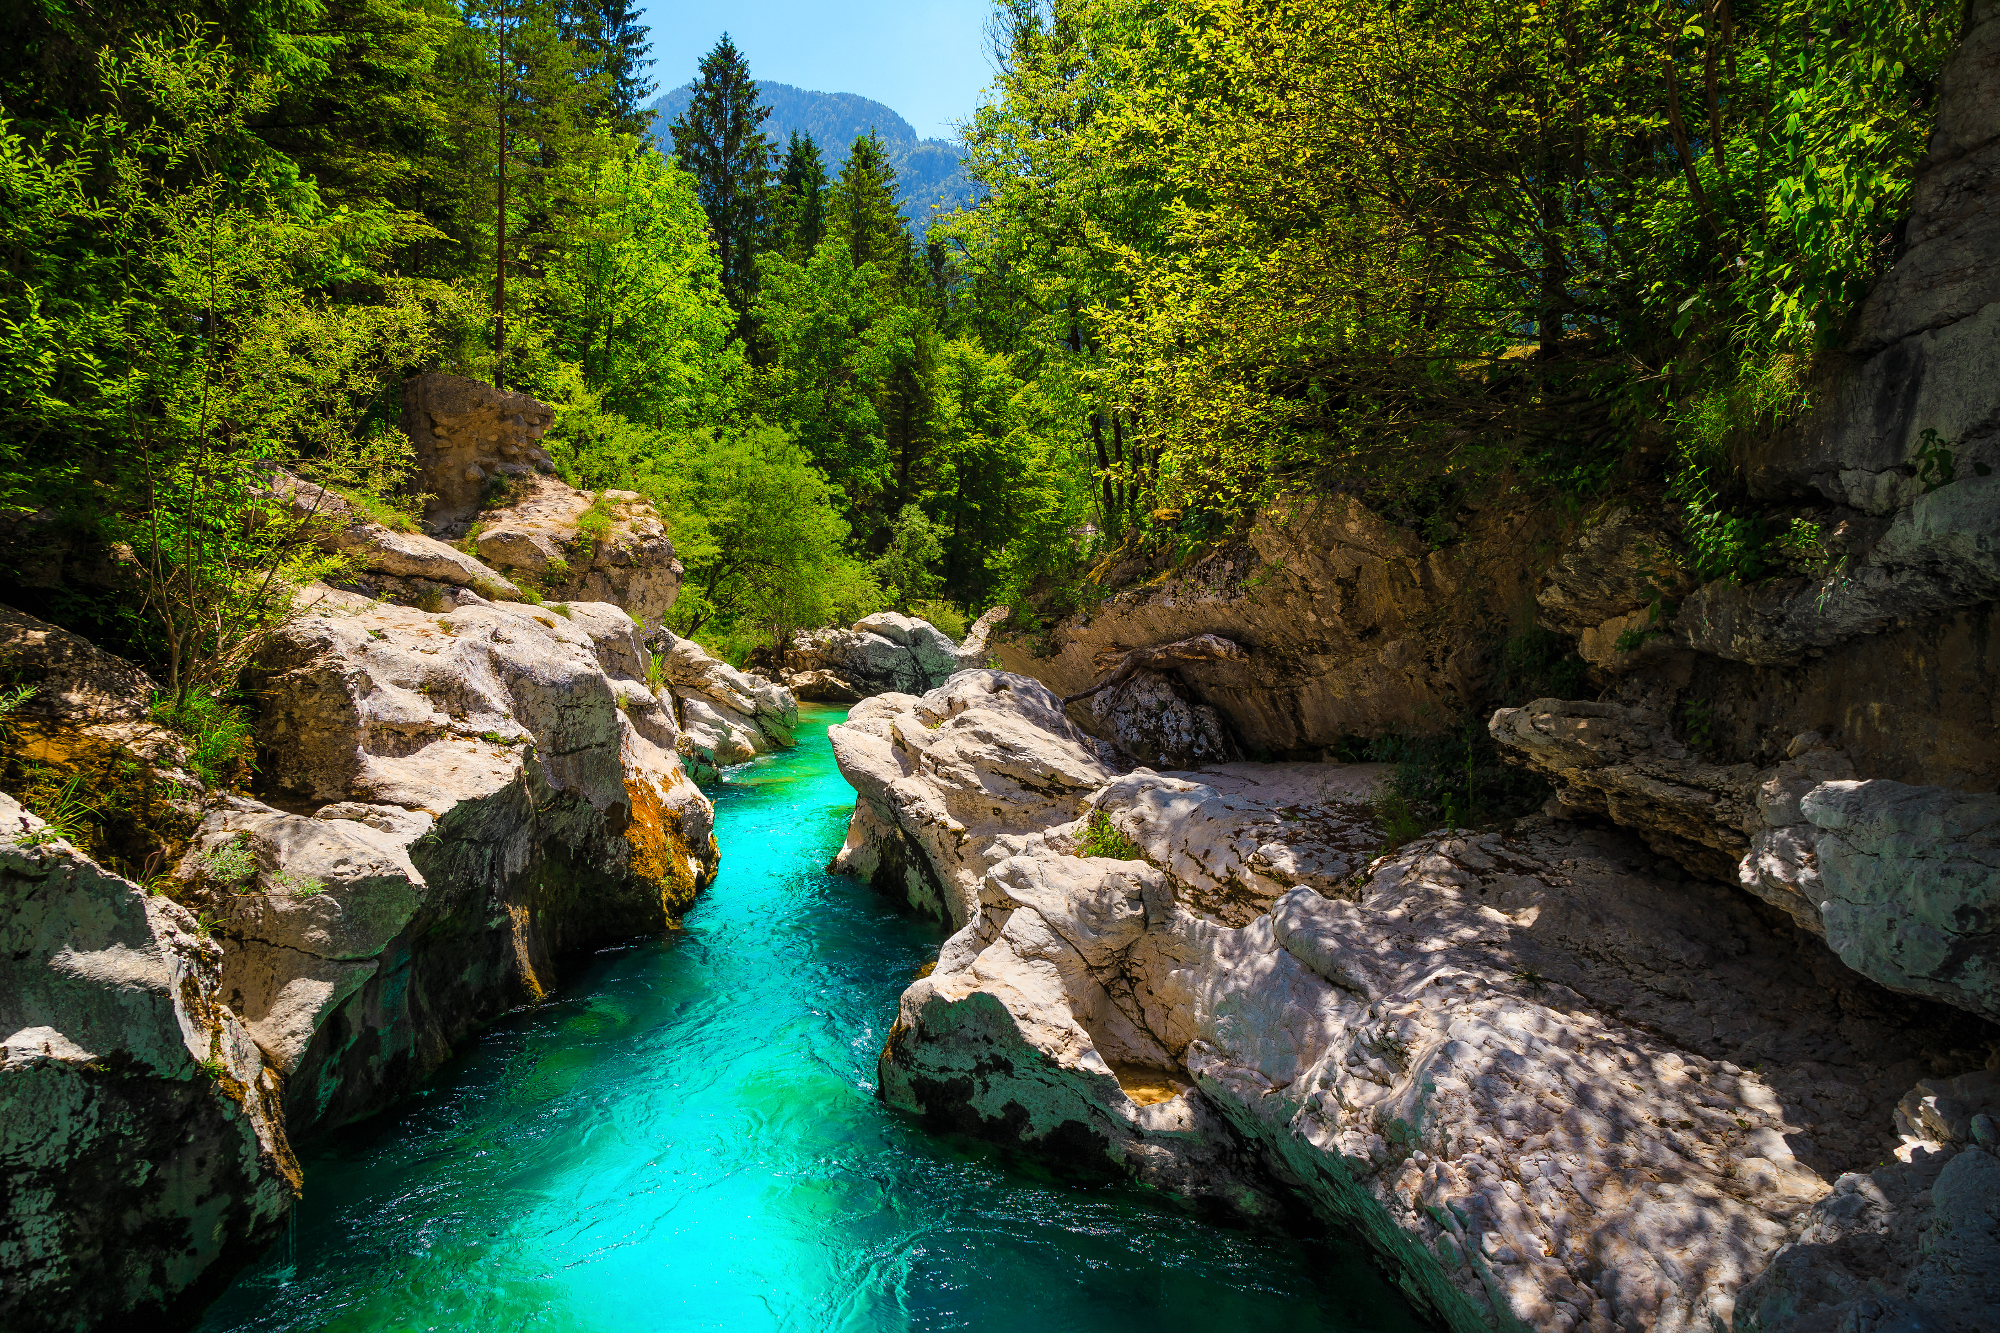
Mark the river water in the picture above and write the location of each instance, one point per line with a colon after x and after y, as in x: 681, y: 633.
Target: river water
x: 688, y: 1138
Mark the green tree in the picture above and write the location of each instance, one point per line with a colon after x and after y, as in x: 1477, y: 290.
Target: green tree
x: 717, y: 139
x: 799, y: 214
x: 862, y: 213
x: 615, y: 57
x: 210, y: 359
x: 758, y: 529
x: 637, y: 299
x: 908, y: 569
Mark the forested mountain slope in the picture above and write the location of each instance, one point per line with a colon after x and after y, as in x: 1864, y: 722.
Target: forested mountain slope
x: 931, y: 172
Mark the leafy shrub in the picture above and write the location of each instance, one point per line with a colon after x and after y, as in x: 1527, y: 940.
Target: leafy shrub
x: 399, y: 514
x: 594, y: 524
x: 222, y: 749
x: 944, y: 615
x: 1101, y: 838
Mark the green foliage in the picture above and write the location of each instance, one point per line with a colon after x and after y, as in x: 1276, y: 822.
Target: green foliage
x: 717, y: 139
x: 66, y: 814
x: 221, y: 742
x: 1393, y: 814
x: 11, y: 699
x: 296, y: 886
x: 399, y: 513
x: 637, y: 302
x: 907, y: 570
x: 593, y: 525
x: 1102, y: 838
x: 1475, y: 238
x: 944, y: 615
x: 230, y: 865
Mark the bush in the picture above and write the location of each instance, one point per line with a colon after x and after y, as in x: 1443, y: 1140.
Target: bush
x: 221, y: 748
x: 1101, y: 838
x: 944, y: 615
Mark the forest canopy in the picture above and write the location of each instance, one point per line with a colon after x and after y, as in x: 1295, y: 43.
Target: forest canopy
x: 1224, y: 251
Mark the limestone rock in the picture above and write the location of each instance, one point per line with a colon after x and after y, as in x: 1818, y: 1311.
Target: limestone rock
x: 950, y: 776
x: 1949, y: 1110
x: 86, y: 703
x: 1902, y: 881
x: 883, y: 653
x: 1515, y: 1064
x: 537, y: 533
x: 470, y: 797
x: 143, y: 1154
x: 1614, y: 568
x: 1620, y: 762
x: 468, y: 434
x: 1353, y: 625
x: 413, y: 556
x: 727, y: 716
x: 1149, y: 719
x: 1913, y: 1245
x: 1909, y: 880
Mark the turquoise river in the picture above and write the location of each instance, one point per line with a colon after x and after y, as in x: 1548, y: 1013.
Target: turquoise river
x: 687, y: 1137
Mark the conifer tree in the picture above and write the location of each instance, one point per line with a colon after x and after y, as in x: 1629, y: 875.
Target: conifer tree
x: 718, y: 141
x: 799, y: 219
x: 614, y: 48
x: 861, y: 209
x: 524, y: 117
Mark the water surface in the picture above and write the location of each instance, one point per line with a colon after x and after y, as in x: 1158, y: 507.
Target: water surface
x: 688, y: 1138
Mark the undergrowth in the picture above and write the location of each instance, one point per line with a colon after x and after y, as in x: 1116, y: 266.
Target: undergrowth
x: 221, y: 747
x: 1102, y: 838
x: 1456, y: 777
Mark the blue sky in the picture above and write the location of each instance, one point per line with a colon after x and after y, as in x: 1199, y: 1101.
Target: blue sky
x: 925, y: 59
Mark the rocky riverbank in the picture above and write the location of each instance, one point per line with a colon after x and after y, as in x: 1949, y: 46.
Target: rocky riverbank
x: 1555, y: 1080
x: 457, y: 783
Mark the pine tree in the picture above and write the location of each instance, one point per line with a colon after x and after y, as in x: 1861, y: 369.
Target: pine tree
x: 614, y: 47
x: 524, y: 117
x: 799, y: 219
x: 718, y: 141
x: 861, y: 209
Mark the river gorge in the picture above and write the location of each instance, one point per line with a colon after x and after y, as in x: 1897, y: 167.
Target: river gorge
x: 688, y: 1137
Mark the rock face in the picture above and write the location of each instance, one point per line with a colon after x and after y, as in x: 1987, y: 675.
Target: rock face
x: 86, y: 703
x: 1519, y: 1065
x: 143, y: 1154
x: 1353, y: 625
x: 986, y: 757
x: 1902, y: 882
x: 607, y: 548
x: 409, y: 565
x: 726, y: 716
x: 881, y: 654
x: 465, y: 798
x: 467, y: 434
x: 1150, y: 718
x: 448, y: 803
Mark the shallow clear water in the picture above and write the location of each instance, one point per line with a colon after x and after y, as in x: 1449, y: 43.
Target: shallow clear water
x: 689, y: 1139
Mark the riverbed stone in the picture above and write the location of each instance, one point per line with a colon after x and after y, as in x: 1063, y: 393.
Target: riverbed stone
x: 1556, y: 1082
